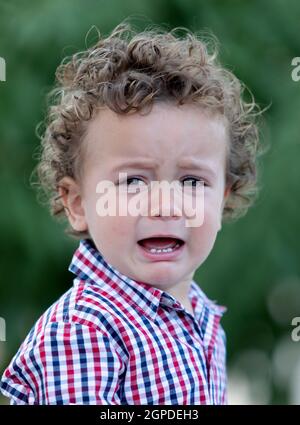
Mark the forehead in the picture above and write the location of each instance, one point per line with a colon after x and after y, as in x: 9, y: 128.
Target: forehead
x: 166, y: 134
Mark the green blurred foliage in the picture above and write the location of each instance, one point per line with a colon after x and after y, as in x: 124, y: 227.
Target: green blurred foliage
x: 254, y: 268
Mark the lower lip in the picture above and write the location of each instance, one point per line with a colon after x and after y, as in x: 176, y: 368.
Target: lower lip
x: 162, y: 256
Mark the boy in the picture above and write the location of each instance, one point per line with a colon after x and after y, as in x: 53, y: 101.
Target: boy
x: 135, y: 328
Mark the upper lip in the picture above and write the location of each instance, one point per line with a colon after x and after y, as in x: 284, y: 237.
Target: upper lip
x: 161, y: 235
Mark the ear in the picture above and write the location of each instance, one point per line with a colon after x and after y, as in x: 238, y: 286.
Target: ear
x: 70, y: 194
x: 226, y: 193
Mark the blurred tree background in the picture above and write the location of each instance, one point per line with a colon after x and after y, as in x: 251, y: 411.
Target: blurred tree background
x: 255, y: 267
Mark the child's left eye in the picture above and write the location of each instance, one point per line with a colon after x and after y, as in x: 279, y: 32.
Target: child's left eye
x: 194, y: 180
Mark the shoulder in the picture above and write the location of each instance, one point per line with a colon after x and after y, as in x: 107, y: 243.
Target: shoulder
x: 79, y: 325
x: 53, y: 368
x: 210, y: 304
x: 82, y: 306
x: 83, y: 309
x: 60, y: 351
x: 210, y: 321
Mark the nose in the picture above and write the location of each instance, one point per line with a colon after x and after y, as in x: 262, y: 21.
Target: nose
x: 165, y: 202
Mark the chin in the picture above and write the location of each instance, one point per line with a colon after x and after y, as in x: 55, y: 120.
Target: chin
x: 164, y: 277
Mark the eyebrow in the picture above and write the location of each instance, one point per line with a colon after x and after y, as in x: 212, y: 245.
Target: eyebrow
x: 136, y: 164
x: 193, y: 164
x: 149, y: 164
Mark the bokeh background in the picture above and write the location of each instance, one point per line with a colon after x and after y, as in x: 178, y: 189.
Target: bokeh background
x: 255, y: 267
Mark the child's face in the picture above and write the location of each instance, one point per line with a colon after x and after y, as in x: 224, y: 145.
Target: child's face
x: 166, y: 136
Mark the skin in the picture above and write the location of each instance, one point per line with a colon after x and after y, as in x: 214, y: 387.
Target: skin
x: 168, y: 134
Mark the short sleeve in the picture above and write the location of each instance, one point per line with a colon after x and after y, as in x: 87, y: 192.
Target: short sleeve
x: 68, y: 363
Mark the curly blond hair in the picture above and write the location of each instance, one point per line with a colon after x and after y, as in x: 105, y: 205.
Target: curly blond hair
x: 127, y: 71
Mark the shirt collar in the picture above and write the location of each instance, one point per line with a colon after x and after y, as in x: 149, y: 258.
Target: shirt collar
x: 89, y: 264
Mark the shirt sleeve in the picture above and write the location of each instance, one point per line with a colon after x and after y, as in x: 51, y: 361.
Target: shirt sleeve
x: 69, y: 363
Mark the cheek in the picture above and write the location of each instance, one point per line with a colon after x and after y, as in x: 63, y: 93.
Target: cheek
x: 202, y: 241
x: 204, y: 236
x: 123, y: 228
x: 213, y: 208
x: 113, y: 229
x: 101, y: 213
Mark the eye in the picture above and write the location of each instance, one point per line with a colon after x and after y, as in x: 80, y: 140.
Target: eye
x: 137, y: 180
x: 194, y: 181
x: 133, y: 184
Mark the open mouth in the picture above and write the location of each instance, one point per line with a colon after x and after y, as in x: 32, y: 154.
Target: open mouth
x: 159, y: 245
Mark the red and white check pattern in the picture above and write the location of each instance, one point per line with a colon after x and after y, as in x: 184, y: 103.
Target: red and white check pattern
x: 112, y: 340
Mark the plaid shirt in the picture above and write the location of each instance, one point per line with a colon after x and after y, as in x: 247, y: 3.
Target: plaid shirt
x: 112, y: 340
